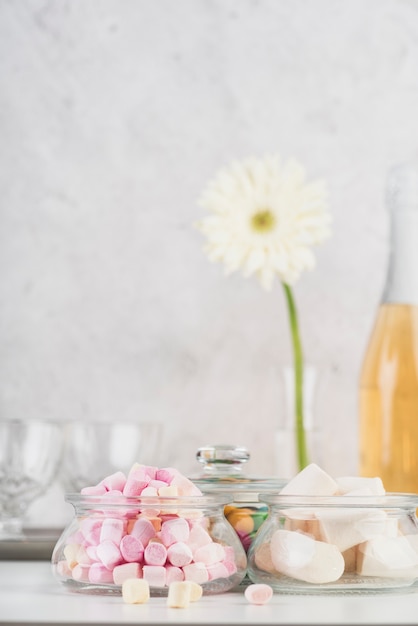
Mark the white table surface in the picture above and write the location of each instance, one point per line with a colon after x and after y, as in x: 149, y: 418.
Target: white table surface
x: 30, y: 595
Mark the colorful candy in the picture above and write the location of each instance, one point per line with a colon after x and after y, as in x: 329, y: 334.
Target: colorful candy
x: 246, y: 520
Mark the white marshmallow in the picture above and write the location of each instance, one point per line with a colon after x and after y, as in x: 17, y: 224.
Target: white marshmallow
x: 135, y: 591
x: 210, y: 554
x: 351, y: 483
x: 299, y: 556
x: 387, y: 557
x: 155, y: 575
x: 347, y: 527
x: 178, y: 595
x: 312, y: 481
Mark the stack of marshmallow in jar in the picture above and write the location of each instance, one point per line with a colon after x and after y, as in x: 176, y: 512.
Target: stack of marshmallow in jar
x: 110, y: 546
x: 319, y: 544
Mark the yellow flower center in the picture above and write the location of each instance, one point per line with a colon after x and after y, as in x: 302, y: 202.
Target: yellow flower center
x: 263, y: 221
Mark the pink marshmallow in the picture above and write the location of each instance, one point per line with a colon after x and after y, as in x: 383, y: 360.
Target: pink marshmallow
x: 258, y: 594
x: 179, y: 554
x: 157, y: 483
x: 80, y: 573
x: 114, y: 481
x: 155, y: 575
x: 155, y: 553
x: 109, y: 554
x: 173, y: 530
x: 131, y: 549
x: 198, y: 537
x: 143, y: 530
x: 185, y: 486
x: 90, y: 528
x: 150, y: 471
x: 64, y: 570
x: 230, y: 566
x: 196, y: 572
x: 149, y: 491
x: 112, y: 529
x: 166, y: 474
x: 83, y: 557
x: 136, y: 482
x: 92, y: 553
x: 217, y: 570
x: 173, y: 574
x: 113, y: 493
x: 94, y: 490
x: 210, y: 554
x: 98, y: 573
x: 125, y: 571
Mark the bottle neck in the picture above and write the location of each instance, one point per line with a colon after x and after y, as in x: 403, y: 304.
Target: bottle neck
x: 402, y: 275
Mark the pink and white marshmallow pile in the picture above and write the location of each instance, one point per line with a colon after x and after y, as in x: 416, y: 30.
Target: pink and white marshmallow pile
x: 317, y: 545
x: 160, y: 546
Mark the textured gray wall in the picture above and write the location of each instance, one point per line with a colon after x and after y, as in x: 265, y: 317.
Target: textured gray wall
x: 113, y: 116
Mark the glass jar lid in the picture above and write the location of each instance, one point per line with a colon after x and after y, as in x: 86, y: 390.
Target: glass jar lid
x: 223, y: 472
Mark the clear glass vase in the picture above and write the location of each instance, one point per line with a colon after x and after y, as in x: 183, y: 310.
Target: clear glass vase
x: 286, y: 464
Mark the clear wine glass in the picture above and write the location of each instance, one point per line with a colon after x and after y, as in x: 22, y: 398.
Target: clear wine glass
x: 96, y: 449
x: 30, y: 452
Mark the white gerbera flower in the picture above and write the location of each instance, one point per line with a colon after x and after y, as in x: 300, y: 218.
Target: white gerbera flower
x: 264, y: 219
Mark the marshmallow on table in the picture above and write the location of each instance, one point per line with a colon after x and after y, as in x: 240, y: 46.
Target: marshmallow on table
x: 180, y: 594
x: 258, y: 593
x: 135, y: 591
x: 303, y: 558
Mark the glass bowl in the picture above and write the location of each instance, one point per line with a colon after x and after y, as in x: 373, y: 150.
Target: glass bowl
x: 161, y: 539
x: 351, y: 543
x: 223, y: 474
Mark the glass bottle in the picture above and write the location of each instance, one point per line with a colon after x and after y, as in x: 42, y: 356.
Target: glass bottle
x: 388, y: 428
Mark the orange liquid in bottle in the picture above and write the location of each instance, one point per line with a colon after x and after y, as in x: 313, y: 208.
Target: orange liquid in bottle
x: 389, y: 399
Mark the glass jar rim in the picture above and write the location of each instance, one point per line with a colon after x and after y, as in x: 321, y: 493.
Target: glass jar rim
x: 163, y: 502
x: 389, y: 499
x: 239, y: 485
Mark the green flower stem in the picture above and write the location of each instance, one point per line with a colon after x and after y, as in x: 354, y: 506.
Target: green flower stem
x: 302, y: 454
